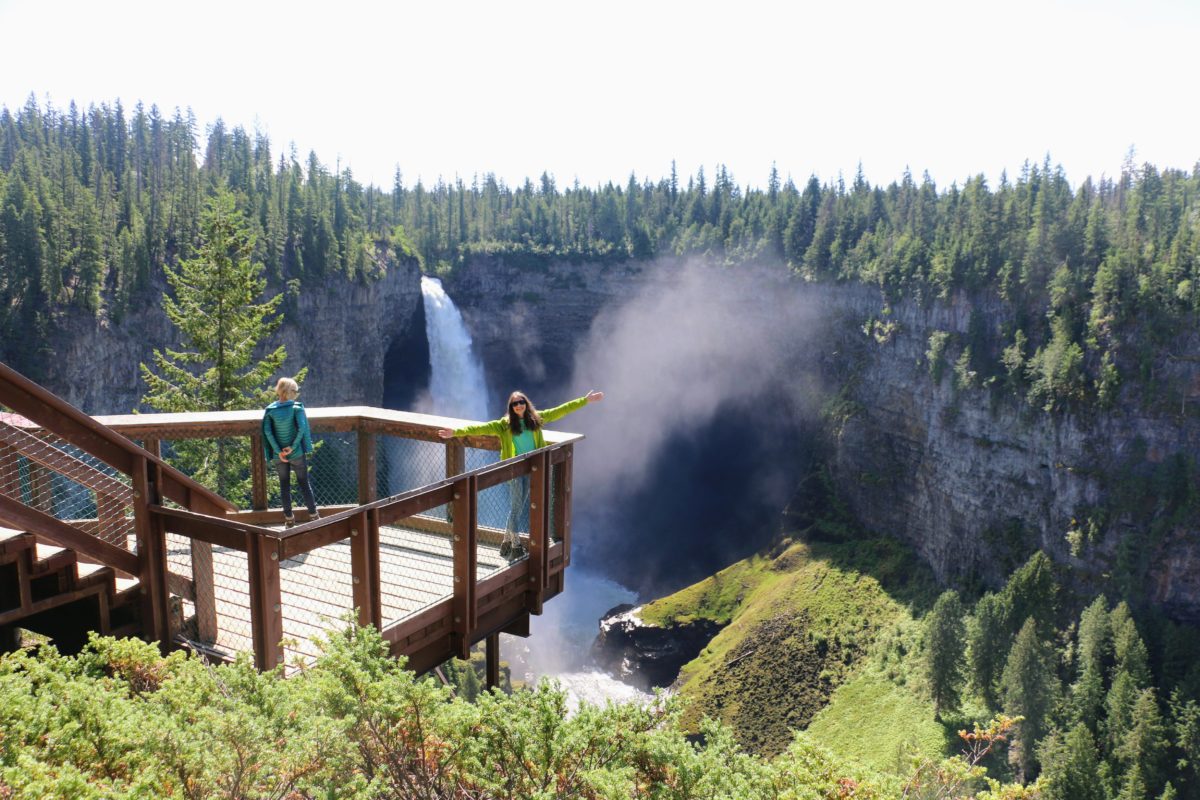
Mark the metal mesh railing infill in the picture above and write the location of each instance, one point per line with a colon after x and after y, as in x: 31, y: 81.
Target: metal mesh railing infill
x: 44, y: 472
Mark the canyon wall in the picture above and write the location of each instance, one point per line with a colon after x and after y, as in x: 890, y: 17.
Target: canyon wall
x: 340, y: 330
x: 975, y: 479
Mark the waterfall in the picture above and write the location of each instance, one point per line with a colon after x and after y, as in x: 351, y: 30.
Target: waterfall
x: 456, y: 385
x: 559, y: 645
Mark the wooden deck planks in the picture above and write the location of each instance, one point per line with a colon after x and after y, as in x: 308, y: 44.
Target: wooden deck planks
x: 416, y: 570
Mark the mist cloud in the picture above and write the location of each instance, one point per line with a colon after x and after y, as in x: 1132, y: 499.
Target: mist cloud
x: 696, y: 343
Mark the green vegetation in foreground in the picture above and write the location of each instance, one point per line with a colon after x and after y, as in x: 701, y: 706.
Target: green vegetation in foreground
x: 796, y: 624
x: 121, y: 722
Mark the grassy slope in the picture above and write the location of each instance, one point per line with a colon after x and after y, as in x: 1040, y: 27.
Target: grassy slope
x: 798, y: 625
x: 876, y: 722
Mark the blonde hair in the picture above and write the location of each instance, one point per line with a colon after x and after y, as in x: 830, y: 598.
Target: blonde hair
x: 287, y: 389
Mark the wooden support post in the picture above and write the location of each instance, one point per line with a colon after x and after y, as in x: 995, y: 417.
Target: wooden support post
x: 152, y: 554
x: 366, y: 468
x: 203, y: 583
x: 465, y: 554
x: 456, y: 458
x: 539, y: 529
x: 364, y: 568
x: 563, y: 505
x: 266, y: 609
x: 258, y: 473
x: 492, y: 649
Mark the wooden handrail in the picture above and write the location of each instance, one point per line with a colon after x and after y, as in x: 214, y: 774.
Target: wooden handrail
x: 51, y: 412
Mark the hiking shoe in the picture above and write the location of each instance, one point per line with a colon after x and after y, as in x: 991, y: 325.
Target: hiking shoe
x: 505, y: 549
x: 289, y: 522
x: 314, y: 515
x: 519, y: 551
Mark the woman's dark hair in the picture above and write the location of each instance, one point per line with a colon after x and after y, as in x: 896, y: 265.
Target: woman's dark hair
x: 533, y: 420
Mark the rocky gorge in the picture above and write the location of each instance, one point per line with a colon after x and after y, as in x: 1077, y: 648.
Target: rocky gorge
x: 973, y: 479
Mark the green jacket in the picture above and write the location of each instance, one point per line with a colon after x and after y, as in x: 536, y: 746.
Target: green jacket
x: 500, y: 428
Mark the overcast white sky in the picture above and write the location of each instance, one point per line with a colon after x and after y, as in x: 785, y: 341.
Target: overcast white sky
x: 597, y: 90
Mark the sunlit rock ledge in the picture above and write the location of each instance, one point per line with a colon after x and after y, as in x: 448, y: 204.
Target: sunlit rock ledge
x: 647, y: 656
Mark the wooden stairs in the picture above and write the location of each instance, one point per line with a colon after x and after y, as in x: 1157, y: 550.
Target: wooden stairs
x: 52, y: 591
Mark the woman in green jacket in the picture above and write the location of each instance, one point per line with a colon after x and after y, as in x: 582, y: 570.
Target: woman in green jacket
x: 520, y: 432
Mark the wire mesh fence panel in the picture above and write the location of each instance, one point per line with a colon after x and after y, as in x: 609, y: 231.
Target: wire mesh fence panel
x: 332, y: 470
x: 416, y: 563
x: 222, y: 464
x: 227, y: 594
x: 316, y: 597
x: 404, y: 464
x: 47, y: 473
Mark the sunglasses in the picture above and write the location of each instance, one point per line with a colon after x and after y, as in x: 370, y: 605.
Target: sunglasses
x: 516, y: 403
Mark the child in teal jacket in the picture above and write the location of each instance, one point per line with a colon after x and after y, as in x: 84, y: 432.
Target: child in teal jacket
x: 520, y: 432
x: 286, y: 442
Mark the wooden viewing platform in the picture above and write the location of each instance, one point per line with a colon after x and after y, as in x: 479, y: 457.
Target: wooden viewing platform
x: 420, y: 565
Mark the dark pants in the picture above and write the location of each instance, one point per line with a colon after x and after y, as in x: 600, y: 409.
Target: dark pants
x: 284, y: 469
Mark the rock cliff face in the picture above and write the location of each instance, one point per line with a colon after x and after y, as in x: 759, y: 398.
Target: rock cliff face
x: 644, y: 655
x: 976, y: 483
x: 528, y: 322
x: 340, y: 330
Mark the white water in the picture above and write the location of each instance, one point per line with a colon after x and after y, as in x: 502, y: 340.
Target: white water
x: 561, y: 638
x: 456, y: 384
x: 560, y: 641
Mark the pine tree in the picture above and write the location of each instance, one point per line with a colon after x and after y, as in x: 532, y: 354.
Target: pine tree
x: 944, y: 650
x: 1029, y: 689
x: 215, y: 309
x: 985, y: 647
x: 1144, y: 746
x: 1069, y: 766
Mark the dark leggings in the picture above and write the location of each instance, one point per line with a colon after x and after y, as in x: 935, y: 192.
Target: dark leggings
x: 284, y: 469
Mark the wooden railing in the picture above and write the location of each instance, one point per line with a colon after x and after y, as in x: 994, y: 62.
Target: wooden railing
x: 41, y: 429
x: 475, y: 609
x: 151, y: 481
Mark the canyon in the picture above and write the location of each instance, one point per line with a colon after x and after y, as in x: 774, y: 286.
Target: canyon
x: 974, y: 479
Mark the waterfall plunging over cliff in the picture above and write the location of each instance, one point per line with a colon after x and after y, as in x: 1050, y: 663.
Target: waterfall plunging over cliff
x: 456, y: 384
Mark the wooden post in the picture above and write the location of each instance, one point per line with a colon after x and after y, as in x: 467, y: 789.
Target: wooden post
x: 40, y: 487
x: 539, y: 530
x: 203, y: 584
x: 266, y: 609
x: 258, y: 473
x: 366, y: 468
x: 364, y: 568
x: 492, y: 648
x: 465, y: 554
x: 152, y: 554
x: 456, y: 458
x: 563, y: 503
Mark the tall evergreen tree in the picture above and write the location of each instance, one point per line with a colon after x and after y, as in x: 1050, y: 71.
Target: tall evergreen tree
x: 944, y: 650
x: 1029, y: 690
x: 1070, y: 764
x: 222, y: 319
